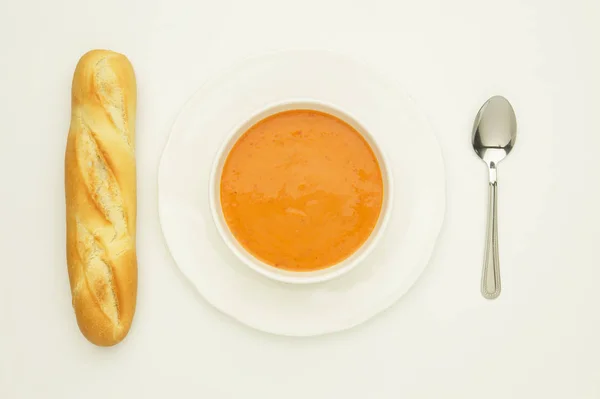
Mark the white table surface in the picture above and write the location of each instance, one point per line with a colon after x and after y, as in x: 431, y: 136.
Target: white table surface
x: 540, y: 339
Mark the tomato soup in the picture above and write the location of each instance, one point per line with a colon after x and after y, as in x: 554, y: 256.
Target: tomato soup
x: 301, y: 190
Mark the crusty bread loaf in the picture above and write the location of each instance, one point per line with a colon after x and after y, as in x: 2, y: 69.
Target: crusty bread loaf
x: 100, y: 187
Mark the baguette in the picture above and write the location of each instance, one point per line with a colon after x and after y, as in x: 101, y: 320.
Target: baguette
x: 100, y: 188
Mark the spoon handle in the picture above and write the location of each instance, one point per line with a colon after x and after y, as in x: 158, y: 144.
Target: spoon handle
x: 490, y: 281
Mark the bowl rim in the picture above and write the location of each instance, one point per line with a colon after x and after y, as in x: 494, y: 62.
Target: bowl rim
x: 263, y: 268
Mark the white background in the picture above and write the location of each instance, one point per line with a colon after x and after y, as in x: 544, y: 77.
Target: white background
x: 442, y: 340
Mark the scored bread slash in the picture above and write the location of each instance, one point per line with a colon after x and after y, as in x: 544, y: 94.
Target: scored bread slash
x: 100, y: 190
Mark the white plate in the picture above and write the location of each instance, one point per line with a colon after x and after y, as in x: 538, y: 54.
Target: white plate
x: 224, y: 281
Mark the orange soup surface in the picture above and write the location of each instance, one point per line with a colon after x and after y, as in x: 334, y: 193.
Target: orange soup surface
x: 301, y: 190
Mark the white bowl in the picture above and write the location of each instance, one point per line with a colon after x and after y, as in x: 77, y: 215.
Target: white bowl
x: 284, y: 275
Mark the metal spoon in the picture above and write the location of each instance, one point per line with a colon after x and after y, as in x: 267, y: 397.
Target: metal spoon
x: 494, y: 135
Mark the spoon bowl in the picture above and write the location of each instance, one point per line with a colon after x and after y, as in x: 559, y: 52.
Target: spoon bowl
x: 494, y: 130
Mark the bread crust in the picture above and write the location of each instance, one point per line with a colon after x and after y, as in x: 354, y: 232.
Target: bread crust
x: 100, y: 189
